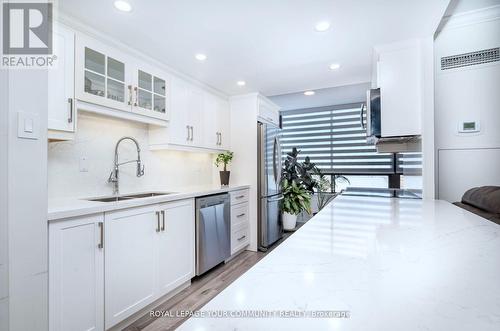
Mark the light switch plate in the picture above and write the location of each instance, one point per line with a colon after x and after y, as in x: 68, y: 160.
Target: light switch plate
x: 28, y: 125
x: 84, y: 164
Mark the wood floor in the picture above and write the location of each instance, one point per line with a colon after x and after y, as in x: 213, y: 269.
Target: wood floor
x: 202, y: 290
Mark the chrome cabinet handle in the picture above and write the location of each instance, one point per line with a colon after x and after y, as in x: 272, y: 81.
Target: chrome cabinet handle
x: 217, y: 135
x: 136, y: 96
x: 163, y: 220
x: 239, y: 197
x: 192, y: 132
x: 158, y: 221
x: 188, y: 131
x: 220, y: 138
x: 101, y: 235
x: 130, y: 95
x: 240, y: 215
x: 241, y: 238
x: 70, y: 118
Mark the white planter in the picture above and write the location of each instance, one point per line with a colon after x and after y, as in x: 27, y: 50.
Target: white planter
x: 289, y: 221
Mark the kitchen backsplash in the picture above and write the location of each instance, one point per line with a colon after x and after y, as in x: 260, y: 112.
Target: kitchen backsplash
x: 80, y: 168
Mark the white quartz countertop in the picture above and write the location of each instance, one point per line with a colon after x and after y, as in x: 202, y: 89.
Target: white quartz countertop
x: 73, y: 207
x: 393, y: 264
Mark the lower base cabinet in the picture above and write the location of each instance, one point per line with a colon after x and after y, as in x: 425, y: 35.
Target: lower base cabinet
x: 104, y: 268
x: 76, y: 274
x: 130, y: 262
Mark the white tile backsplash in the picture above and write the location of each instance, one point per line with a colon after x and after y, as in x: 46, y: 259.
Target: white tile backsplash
x: 96, y: 139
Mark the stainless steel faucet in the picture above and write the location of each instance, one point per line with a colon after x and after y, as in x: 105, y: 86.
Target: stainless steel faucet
x: 114, y: 176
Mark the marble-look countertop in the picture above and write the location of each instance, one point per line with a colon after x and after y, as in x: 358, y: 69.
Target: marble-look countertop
x: 74, y: 207
x: 393, y: 264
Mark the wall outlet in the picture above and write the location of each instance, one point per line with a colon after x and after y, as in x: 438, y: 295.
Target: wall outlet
x: 84, y: 164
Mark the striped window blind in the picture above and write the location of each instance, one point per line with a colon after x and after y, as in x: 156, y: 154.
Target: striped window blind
x: 335, y: 140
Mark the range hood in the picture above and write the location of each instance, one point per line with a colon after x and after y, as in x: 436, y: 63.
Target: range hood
x: 396, y: 144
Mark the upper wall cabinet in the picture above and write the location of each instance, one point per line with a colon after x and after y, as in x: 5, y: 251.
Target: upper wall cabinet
x: 216, y: 122
x: 399, y: 67
x: 110, y: 82
x: 61, y: 89
x: 268, y: 112
x: 199, y: 120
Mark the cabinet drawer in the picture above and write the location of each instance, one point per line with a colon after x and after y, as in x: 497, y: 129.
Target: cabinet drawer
x: 239, y: 196
x: 239, y: 216
x: 239, y: 239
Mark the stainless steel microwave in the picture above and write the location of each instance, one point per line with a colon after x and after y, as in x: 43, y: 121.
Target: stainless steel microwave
x: 373, y: 114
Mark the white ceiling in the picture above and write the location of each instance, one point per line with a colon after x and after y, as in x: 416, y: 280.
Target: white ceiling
x: 355, y: 93
x: 271, y: 44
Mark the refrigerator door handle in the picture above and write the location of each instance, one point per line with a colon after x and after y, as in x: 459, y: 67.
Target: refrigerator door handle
x: 276, y: 199
x: 275, y: 145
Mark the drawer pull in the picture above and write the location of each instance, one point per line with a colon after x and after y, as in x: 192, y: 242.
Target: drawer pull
x: 240, y: 215
x: 241, y: 238
x: 240, y: 197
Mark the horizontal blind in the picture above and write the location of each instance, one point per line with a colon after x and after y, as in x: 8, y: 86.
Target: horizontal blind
x: 409, y: 163
x: 334, y: 139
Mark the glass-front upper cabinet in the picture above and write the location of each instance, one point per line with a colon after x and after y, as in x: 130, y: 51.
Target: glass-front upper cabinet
x: 150, y: 94
x: 101, y: 75
x: 112, y: 79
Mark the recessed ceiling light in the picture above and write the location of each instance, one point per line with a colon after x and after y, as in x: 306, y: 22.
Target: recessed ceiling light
x: 241, y: 83
x: 308, y: 93
x: 334, y: 66
x: 123, y: 5
x: 322, y: 26
x: 200, y: 57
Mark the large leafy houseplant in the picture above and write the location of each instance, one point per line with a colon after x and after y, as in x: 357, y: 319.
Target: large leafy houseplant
x: 295, y: 198
x: 297, y: 185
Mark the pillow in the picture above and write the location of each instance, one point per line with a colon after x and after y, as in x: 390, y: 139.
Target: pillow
x: 485, y: 197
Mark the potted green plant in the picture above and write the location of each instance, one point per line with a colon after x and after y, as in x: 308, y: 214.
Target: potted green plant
x: 224, y: 158
x: 296, y: 198
x: 297, y: 185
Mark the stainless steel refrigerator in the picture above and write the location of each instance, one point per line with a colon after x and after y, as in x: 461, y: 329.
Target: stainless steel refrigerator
x: 270, y: 226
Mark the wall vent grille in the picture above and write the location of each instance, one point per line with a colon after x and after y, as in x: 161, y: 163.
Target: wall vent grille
x: 470, y: 59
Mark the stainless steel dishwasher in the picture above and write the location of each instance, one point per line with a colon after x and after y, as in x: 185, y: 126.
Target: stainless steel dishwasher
x: 213, y: 231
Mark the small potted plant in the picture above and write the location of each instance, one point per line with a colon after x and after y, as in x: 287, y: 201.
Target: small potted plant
x: 224, y: 158
x: 296, y: 198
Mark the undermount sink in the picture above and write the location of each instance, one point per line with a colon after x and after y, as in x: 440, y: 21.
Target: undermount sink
x: 128, y: 197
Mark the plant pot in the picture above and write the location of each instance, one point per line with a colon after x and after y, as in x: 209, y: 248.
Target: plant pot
x: 224, y: 177
x: 289, y: 222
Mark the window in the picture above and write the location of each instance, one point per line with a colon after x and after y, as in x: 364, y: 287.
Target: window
x: 334, y: 138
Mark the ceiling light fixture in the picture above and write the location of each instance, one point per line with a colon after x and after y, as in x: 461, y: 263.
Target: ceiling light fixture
x: 322, y: 26
x: 309, y: 93
x: 334, y: 66
x: 200, y: 57
x: 241, y: 83
x: 122, y: 5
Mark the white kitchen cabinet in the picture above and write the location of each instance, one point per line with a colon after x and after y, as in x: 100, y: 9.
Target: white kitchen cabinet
x: 130, y: 261
x: 240, y: 234
x: 216, y: 122
x: 195, y: 111
x: 268, y: 112
x: 76, y: 274
x: 176, y: 245
x: 198, y: 120
x: 150, y: 88
x: 149, y: 253
x: 399, y: 70
x: 61, y: 90
x: 112, y: 82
